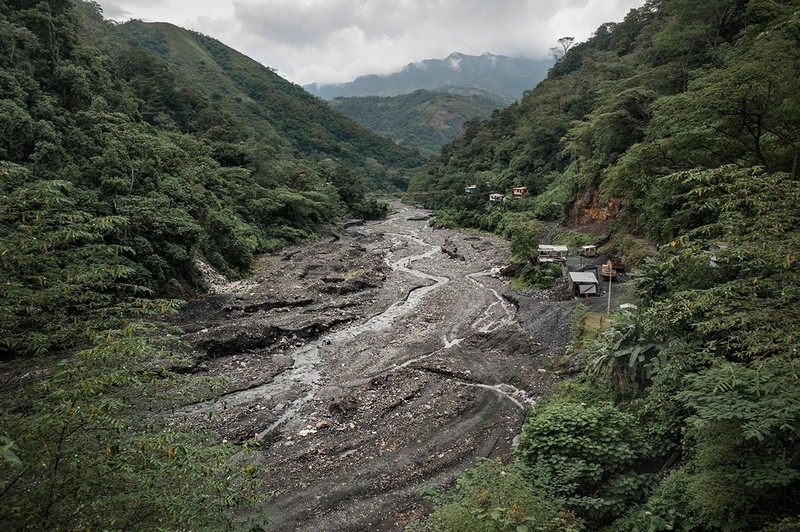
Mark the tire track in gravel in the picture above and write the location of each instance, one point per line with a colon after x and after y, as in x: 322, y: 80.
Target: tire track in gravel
x: 437, y: 373
x: 438, y: 404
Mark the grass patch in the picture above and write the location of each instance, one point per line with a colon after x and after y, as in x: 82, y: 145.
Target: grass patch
x: 634, y: 249
x: 574, y: 239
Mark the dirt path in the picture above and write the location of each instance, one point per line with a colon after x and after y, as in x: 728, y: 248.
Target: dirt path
x: 374, y: 363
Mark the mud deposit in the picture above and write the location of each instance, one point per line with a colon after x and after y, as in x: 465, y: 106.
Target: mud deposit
x: 376, y: 361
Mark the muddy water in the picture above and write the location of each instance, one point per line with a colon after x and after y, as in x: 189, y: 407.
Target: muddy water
x: 436, y: 373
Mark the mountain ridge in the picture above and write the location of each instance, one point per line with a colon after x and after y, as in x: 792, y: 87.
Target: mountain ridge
x: 507, y: 77
x: 423, y: 120
x: 270, y: 105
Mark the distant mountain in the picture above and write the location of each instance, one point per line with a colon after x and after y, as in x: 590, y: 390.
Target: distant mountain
x: 425, y: 120
x: 261, y: 104
x: 507, y: 77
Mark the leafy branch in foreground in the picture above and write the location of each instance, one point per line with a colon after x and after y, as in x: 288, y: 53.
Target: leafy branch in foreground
x: 59, y: 278
x: 85, y: 448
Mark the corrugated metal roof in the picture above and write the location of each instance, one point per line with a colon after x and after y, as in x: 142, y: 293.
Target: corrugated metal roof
x: 582, y: 277
x: 545, y: 247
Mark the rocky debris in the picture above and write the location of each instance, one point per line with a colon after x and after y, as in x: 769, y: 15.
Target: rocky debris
x: 547, y: 322
x: 246, y: 334
x: 449, y: 248
x: 343, y: 407
x: 385, y: 406
x: 342, y: 286
x: 511, y: 270
x: 268, y: 304
x: 347, y: 224
x: 218, y: 283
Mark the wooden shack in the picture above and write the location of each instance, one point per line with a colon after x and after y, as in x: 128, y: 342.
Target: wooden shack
x: 548, y: 253
x: 584, y: 284
x: 520, y: 191
x: 470, y: 189
x: 589, y: 251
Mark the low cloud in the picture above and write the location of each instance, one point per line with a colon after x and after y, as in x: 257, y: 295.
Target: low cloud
x: 332, y: 41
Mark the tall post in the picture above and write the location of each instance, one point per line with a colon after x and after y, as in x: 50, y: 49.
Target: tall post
x: 611, y: 272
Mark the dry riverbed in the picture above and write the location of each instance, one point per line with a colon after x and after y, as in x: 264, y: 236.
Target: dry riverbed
x: 376, y: 361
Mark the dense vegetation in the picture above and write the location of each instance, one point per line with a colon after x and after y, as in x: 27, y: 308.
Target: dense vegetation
x: 424, y: 120
x: 686, y: 415
x: 118, y: 170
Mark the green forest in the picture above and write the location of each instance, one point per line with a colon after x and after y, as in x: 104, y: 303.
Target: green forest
x: 684, y: 121
x: 423, y: 120
x: 129, y: 152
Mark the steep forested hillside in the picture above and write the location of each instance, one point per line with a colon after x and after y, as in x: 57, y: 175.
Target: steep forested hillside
x: 680, y: 124
x: 265, y: 106
x: 674, y: 86
x: 120, y: 166
x: 505, y: 77
x: 424, y: 120
x: 131, y: 167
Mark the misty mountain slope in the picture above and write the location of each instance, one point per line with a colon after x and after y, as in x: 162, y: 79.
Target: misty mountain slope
x: 262, y: 101
x: 507, y: 77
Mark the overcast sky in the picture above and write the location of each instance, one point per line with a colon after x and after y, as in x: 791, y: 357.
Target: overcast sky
x: 333, y: 41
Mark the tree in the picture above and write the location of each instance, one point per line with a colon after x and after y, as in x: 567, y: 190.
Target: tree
x: 564, y: 44
x: 83, y: 448
x: 58, y: 276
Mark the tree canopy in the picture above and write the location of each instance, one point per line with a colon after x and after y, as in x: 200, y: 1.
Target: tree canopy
x: 685, y: 117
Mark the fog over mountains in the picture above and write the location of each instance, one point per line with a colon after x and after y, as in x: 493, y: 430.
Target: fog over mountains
x: 507, y: 77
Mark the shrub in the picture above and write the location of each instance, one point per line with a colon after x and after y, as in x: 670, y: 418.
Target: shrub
x: 83, y: 449
x: 586, y: 453
x: 494, y: 497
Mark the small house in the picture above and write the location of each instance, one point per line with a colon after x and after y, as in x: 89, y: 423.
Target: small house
x: 548, y: 253
x: 520, y: 191
x: 584, y: 284
x: 589, y: 251
x: 470, y: 189
x: 495, y: 198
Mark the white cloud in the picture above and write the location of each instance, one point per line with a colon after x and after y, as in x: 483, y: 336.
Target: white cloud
x: 337, y: 40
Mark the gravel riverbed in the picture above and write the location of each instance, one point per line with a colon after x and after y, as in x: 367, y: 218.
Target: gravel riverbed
x: 380, y: 359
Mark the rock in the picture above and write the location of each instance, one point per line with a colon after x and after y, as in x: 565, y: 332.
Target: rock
x: 511, y: 270
x: 450, y: 249
x: 377, y: 382
x: 344, y: 407
x: 322, y: 424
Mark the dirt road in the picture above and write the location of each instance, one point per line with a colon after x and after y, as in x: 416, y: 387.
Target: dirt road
x: 374, y: 362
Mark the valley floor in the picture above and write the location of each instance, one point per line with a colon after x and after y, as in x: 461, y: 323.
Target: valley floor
x: 377, y: 361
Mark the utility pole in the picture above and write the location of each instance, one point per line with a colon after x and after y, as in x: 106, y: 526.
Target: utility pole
x: 611, y: 272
